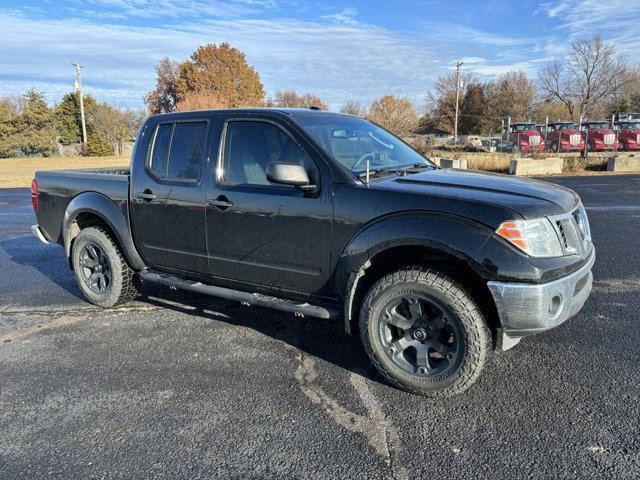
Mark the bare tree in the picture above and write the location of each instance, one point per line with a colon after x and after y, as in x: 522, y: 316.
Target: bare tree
x: 290, y: 99
x: 16, y: 103
x: 353, y: 107
x: 511, y: 94
x: 134, y: 118
x: 110, y: 124
x: 592, y: 75
x: 396, y: 114
x: 442, y: 101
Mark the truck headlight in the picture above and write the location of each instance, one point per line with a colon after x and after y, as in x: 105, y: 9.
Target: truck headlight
x: 535, y: 237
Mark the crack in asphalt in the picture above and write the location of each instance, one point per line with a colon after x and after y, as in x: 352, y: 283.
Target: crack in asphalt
x: 617, y: 285
x: 65, y: 317
x: 26, y: 331
x: 49, y: 311
x: 375, y: 426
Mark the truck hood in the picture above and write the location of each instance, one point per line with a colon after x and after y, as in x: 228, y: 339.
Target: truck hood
x: 528, y: 133
x: 601, y: 131
x: 570, y: 132
x: 480, y: 191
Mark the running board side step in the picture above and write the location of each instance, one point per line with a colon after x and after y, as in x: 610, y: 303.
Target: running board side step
x: 303, y: 309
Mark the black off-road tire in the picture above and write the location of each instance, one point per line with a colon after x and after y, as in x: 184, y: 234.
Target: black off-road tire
x: 459, y: 341
x: 103, y: 274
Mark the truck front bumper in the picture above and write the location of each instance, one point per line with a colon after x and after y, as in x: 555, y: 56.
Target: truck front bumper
x: 526, y: 309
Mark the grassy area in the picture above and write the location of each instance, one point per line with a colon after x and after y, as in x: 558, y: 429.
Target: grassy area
x: 499, y: 162
x: 18, y: 172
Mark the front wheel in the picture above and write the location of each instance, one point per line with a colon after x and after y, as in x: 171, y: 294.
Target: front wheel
x: 102, y: 273
x: 424, y: 332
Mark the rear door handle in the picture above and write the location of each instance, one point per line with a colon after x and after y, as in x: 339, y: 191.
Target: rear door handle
x: 221, y: 202
x: 146, y: 195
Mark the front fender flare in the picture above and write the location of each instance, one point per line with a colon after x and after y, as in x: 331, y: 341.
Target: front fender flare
x: 444, y: 233
x: 104, y: 208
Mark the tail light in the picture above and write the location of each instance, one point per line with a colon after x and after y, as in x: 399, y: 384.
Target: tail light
x: 34, y: 194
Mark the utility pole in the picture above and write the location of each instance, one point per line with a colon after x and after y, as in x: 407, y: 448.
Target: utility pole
x: 455, y: 127
x: 78, y: 87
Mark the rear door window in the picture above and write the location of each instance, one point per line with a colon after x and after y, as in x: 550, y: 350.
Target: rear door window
x: 178, y: 151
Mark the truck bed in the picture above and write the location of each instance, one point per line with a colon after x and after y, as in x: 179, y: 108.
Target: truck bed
x: 58, y: 188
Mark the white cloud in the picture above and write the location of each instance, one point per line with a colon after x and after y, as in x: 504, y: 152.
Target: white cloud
x: 345, y: 17
x: 336, y: 62
x: 334, y: 56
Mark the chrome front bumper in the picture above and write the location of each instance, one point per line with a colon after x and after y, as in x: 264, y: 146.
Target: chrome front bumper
x: 35, y: 230
x: 526, y: 309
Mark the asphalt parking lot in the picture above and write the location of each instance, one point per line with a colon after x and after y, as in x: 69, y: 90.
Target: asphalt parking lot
x: 178, y: 385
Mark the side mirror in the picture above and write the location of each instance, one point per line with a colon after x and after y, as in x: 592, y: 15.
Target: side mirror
x: 289, y: 174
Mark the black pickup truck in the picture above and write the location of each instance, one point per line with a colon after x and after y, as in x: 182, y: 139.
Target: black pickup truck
x: 328, y: 215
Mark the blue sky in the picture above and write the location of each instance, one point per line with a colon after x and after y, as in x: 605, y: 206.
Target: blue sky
x: 340, y: 51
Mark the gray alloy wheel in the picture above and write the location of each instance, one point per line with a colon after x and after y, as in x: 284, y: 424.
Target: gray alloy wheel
x: 101, y: 271
x: 424, y: 332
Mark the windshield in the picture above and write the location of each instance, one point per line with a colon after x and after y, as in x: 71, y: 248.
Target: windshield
x: 595, y: 125
x: 353, y: 141
x: 565, y: 126
x: 631, y: 126
x: 526, y: 126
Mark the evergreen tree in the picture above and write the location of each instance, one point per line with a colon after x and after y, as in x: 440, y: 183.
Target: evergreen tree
x: 473, y: 111
x: 97, y: 146
x: 37, y: 135
x: 8, y: 130
x: 68, y: 119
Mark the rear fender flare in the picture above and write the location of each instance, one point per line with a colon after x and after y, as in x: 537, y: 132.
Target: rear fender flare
x: 104, y: 208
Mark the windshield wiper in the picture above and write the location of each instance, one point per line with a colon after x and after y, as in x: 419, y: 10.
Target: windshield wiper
x: 419, y: 165
x: 378, y: 172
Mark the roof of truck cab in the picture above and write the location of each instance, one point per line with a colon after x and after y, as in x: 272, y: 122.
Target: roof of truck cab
x: 285, y: 111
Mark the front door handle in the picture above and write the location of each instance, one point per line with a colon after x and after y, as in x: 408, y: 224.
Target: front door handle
x: 146, y: 195
x: 221, y: 202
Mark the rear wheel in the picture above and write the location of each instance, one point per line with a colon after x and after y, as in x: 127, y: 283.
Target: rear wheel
x: 101, y: 271
x: 424, y: 332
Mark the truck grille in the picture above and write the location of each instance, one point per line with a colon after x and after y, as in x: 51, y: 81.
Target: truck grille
x: 568, y: 236
x: 638, y: 138
x: 573, y: 230
x: 534, y: 140
x: 574, y: 140
x: 609, y: 139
